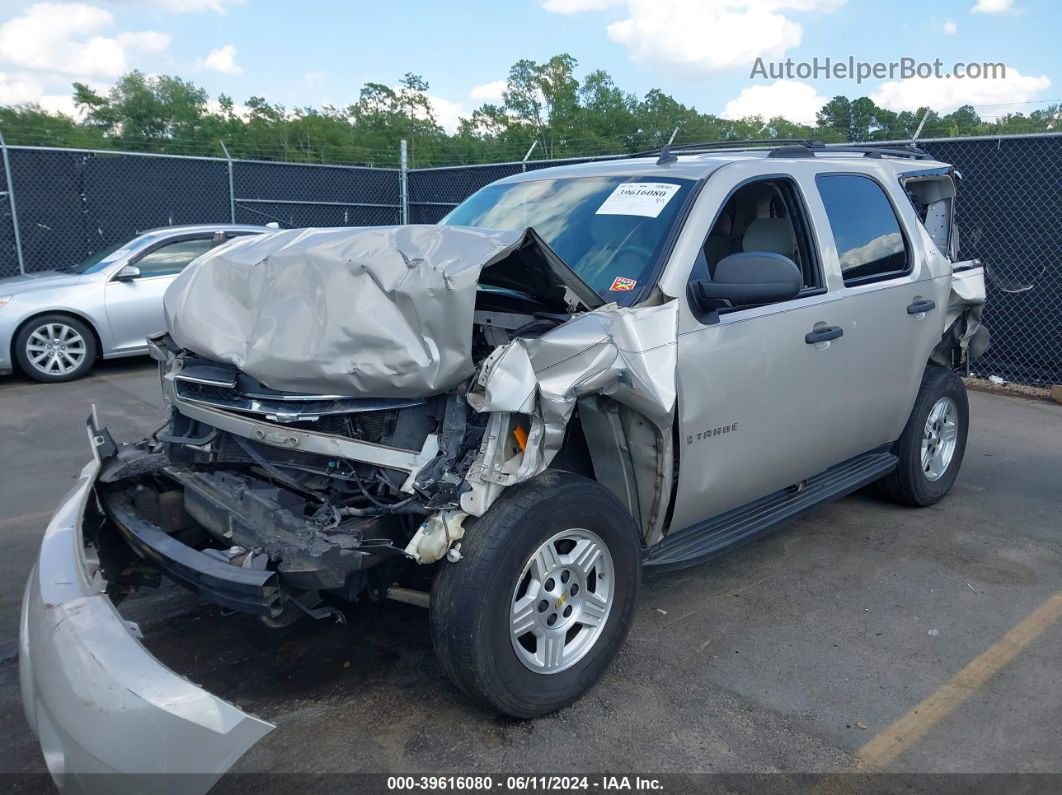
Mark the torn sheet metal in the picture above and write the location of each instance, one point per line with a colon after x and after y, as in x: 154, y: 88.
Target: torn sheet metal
x: 963, y: 327
x: 627, y: 355
x: 375, y: 311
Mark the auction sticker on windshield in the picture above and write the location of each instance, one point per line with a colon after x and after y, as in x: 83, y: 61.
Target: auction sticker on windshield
x: 638, y: 198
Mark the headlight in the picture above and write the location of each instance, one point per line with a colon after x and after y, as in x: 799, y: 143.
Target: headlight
x: 3, y: 300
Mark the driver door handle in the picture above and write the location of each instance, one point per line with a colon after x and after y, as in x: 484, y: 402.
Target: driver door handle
x: 824, y: 334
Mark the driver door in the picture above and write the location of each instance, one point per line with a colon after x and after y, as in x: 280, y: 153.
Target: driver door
x: 134, y: 306
x: 758, y: 403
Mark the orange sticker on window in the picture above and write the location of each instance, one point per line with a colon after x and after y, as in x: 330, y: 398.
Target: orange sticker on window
x: 622, y: 283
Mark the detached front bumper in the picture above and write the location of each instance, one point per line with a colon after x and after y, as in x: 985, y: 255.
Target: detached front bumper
x: 99, y: 702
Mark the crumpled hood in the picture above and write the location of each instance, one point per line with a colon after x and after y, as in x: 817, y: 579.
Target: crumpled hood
x: 379, y: 311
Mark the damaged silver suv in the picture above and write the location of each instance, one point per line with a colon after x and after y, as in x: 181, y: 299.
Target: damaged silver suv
x: 583, y: 372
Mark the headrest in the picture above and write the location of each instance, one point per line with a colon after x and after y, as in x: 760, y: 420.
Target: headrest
x: 770, y: 234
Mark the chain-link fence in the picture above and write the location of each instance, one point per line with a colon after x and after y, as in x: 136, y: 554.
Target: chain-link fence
x: 72, y: 203
x: 1009, y: 213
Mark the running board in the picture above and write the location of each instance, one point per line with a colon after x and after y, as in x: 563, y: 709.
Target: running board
x: 699, y: 542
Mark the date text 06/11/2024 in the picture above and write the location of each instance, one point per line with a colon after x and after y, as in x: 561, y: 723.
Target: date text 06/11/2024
x: 540, y: 783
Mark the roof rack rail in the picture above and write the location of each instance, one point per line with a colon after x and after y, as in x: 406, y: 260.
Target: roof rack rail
x: 714, y: 146
x: 814, y: 148
x: 783, y: 147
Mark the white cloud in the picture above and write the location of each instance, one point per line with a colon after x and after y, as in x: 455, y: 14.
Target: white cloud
x: 880, y: 247
x: 239, y: 110
x: 313, y: 78
x: 66, y: 38
x: 26, y: 88
x: 489, y: 92
x: 187, y: 6
x: 447, y: 113
x: 944, y: 94
x: 950, y: 27
x: 222, y: 60
x: 61, y: 103
x: 711, y: 35
x: 993, y: 7
x: 790, y: 99
x: 578, y: 6
x: 19, y: 88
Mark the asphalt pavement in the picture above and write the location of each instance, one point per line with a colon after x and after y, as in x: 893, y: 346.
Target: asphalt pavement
x: 801, y: 652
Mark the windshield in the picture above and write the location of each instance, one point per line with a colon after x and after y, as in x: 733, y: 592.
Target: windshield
x: 101, y: 259
x: 609, y: 230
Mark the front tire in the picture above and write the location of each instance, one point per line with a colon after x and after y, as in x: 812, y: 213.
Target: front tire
x: 54, y: 348
x: 932, y: 445
x: 542, y: 598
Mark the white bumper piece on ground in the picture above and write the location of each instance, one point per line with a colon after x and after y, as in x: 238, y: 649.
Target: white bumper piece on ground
x: 109, y: 716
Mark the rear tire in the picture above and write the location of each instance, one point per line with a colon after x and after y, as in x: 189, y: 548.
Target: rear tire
x: 53, y: 348
x: 529, y: 564
x: 932, y: 445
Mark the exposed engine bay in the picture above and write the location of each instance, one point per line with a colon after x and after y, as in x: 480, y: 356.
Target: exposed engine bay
x: 318, y: 489
x: 262, y: 499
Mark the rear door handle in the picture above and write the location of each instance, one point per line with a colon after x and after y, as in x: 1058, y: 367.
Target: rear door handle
x: 920, y: 306
x: 824, y: 334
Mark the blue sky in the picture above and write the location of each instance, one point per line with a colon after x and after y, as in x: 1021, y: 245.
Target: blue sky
x: 700, y: 51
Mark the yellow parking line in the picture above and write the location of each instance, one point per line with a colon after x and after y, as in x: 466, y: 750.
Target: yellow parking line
x: 905, y: 732
x: 26, y: 518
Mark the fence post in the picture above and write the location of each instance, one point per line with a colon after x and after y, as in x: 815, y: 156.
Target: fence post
x: 14, y: 208
x: 232, y: 193
x: 523, y: 163
x: 403, y: 180
x: 921, y: 124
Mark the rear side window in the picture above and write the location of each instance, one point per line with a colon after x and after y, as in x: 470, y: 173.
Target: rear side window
x: 870, y: 243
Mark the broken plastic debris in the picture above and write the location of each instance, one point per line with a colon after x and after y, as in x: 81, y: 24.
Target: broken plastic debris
x: 995, y: 379
x: 934, y: 632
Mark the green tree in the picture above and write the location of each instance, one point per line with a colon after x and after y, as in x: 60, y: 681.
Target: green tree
x: 543, y: 101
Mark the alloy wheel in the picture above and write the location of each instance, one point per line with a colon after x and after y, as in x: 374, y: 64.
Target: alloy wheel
x: 56, y: 349
x: 939, y: 438
x: 561, y: 601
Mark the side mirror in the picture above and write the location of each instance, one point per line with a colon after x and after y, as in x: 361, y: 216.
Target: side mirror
x: 127, y: 274
x: 749, y: 278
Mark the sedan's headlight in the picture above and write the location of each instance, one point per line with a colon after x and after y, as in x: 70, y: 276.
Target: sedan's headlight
x: 3, y: 300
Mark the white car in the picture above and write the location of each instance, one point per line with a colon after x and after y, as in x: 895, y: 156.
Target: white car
x: 55, y: 324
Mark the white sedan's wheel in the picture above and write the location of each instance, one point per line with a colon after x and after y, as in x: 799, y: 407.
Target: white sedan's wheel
x: 55, y: 348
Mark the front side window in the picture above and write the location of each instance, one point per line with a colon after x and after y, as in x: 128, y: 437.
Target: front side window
x: 610, y: 230
x: 171, y: 258
x: 762, y: 216
x: 870, y: 243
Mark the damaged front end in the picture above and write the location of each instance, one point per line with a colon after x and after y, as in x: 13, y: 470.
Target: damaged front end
x: 289, y: 496
x: 284, y: 502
